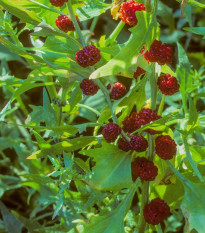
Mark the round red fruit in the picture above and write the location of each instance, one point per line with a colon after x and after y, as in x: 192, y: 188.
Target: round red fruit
x: 167, y: 84
x: 89, y: 87
x: 118, y: 90
x: 58, y: 3
x: 138, y: 143
x: 111, y: 132
x: 123, y: 144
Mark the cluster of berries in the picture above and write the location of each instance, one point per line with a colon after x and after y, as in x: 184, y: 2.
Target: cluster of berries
x: 58, y: 3
x: 136, y: 120
x: 160, y: 53
x: 127, y: 12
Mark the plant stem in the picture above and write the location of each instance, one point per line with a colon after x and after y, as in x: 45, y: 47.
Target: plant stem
x: 148, y: 5
x: 191, y: 161
x: 77, y: 28
x: 115, y: 33
x: 153, y: 88
x: 144, y: 201
x: 94, y: 22
x: 60, y: 116
x: 89, y: 108
x: 161, y: 106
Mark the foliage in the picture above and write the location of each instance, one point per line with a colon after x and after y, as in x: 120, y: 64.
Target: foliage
x: 58, y: 174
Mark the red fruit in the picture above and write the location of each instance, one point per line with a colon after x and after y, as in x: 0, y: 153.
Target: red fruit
x: 139, y: 71
x: 165, y: 147
x: 143, y: 168
x: 130, y: 124
x: 111, y: 131
x: 123, y: 144
x: 156, y: 211
x: 162, y: 54
x: 58, y: 3
x: 138, y: 143
x: 127, y: 12
x: 88, y: 56
x: 89, y: 87
x: 64, y: 23
x: 168, y: 84
x: 146, y: 116
x: 118, y: 90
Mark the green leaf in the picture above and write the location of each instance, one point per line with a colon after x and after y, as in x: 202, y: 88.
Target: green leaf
x: 114, y: 221
x: 193, y: 207
x: 26, y: 16
x: 67, y: 146
x: 11, y: 224
x: 196, y: 30
x: 112, y: 170
x: 145, y: 30
x: 194, y: 3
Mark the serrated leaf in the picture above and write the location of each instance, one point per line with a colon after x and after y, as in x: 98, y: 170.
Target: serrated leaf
x: 114, y: 221
x: 67, y: 146
x: 112, y: 170
x: 145, y: 29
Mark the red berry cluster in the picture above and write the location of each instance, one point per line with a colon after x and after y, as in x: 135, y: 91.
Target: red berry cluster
x: 136, y: 120
x: 139, y: 72
x: 58, y: 3
x: 118, y: 90
x: 127, y: 12
x: 165, y: 147
x: 88, y: 56
x: 167, y: 84
x: 156, y: 211
x: 89, y: 87
x: 144, y: 169
x: 160, y: 53
x: 64, y: 23
x: 111, y: 132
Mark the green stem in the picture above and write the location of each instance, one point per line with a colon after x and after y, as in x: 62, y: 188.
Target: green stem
x: 93, y: 25
x: 60, y: 116
x: 191, y: 161
x: 153, y: 88
x: 77, y: 28
x: 144, y: 201
x: 148, y: 5
x: 172, y: 122
x: 89, y: 108
x: 177, y: 173
x: 115, y: 33
x: 161, y: 106
x: 51, y: 89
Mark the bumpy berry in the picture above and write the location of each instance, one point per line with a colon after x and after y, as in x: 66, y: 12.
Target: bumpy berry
x: 168, y: 84
x: 123, y: 144
x: 118, y: 90
x: 130, y: 124
x: 64, y: 23
x: 139, y: 71
x: 146, y: 116
x: 138, y: 143
x: 156, y: 211
x: 58, y: 3
x: 160, y: 53
x: 165, y: 147
x: 143, y: 168
x: 127, y: 12
x: 88, y: 56
x: 89, y: 87
x: 111, y: 131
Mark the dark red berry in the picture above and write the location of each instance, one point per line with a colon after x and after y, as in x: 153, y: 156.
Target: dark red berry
x: 127, y: 12
x: 165, y: 147
x: 139, y: 71
x: 111, y: 132
x: 145, y: 116
x: 89, y: 87
x: 143, y: 168
x: 123, y: 144
x: 88, y: 56
x: 160, y: 53
x: 118, y: 90
x: 64, y: 23
x: 58, y: 3
x: 138, y: 143
x: 130, y: 124
x: 156, y: 211
x: 168, y: 84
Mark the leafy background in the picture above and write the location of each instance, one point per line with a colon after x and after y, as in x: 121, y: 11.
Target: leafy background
x: 54, y: 190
